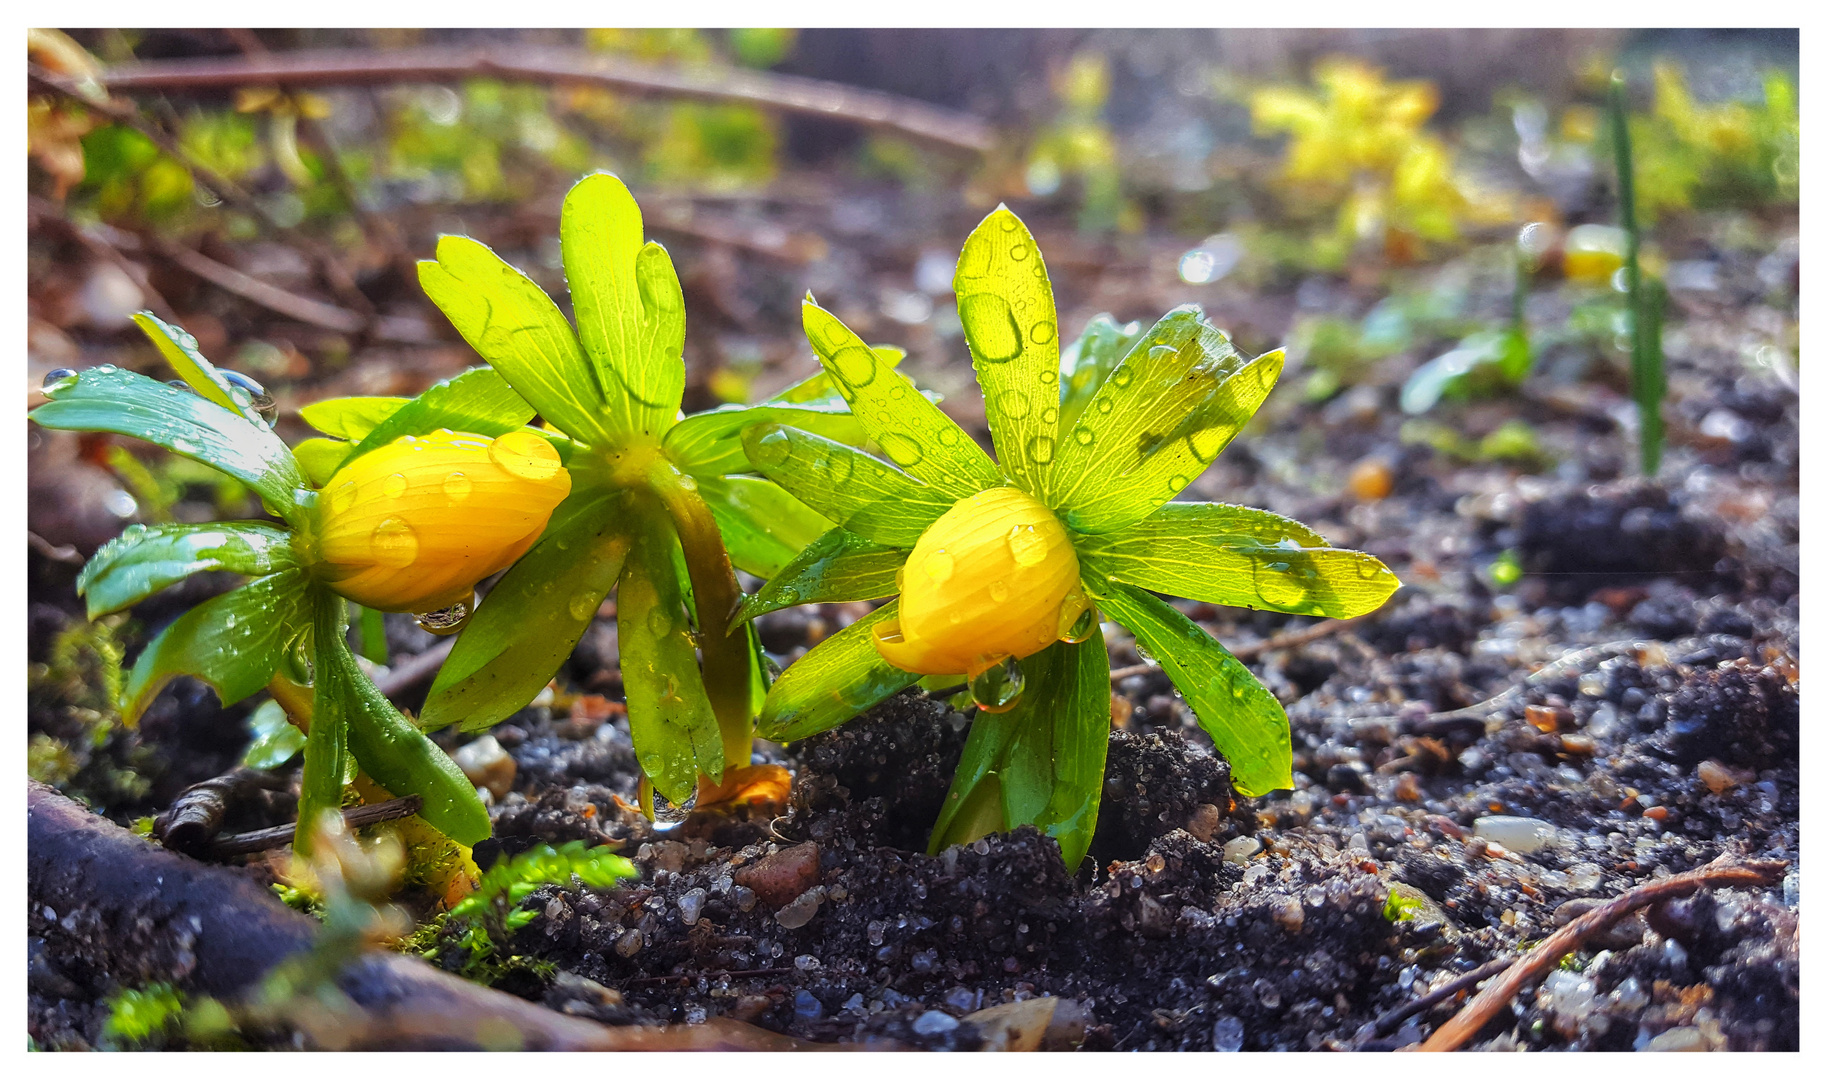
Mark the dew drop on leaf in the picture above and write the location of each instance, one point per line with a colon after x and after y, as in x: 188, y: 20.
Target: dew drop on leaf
x: 659, y: 622
x: 1041, y: 332
x: 445, y: 621
x: 1049, y: 416
x: 394, y: 543
x: 1014, y: 404
x: 1122, y: 377
x: 1083, y: 626
x: 1177, y: 482
x: 773, y: 448
x: 998, y: 688
x: 901, y: 450
x: 1104, y: 405
x: 995, y: 336
x: 855, y: 364
x: 948, y: 436
x: 1040, y: 449
x: 667, y: 815
x: 58, y: 378
x: 1083, y: 436
x: 583, y: 606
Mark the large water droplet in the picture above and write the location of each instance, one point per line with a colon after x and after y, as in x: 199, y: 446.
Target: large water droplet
x: 446, y: 621
x: 583, y: 605
x: 948, y: 436
x: 1014, y: 403
x: 773, y: 448
x: 342, y: 496
x: 525, y: 455
x: 1083, y: 625
x: 1122, y: 376
x: 1041, y: 332
x: 667, y: 815
x: 659, y: 622
x: 1027, y: 547
x: 1277, y: 583
x: 998, y: 688
x: 995, y: 336
x: 59, y: 378
x: 298, y: 665
x: 394, y: 486
x: 855, y: 364
x: 1040, y: 449
x: 901, y: 450
x: 457, y: 488
x: 1018, y: 252
x: 394, y: 543
x: 1049, y: 416
x: 1177, y: 482
x: 939, y: 566
x: 1104, y: 405
x: 1083, y: 436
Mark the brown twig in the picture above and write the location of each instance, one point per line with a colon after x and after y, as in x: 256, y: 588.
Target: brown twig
x: 226, y: 189
x: 280, y: 835
x: 1289, y: 640
x: 358, y: 67
x: 195, y: 816
x: 1386, y: 1024
x: 271, y: 297
x: 417, y: 669
x: 1720, y: 874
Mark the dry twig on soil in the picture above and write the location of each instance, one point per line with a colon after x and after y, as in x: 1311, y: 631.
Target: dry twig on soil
x: 1720, y: 874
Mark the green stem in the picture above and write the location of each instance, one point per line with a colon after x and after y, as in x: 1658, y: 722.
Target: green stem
x: 716, y: 596
x: 1645, y: 299
x: 321, y: 788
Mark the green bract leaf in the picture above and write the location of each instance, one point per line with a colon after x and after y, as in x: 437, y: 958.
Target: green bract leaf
x: 910, y: 430
x: 109, y: 399
x: 519, y: 331
x: 533, y: 618
x: 1168, y: 375
x: 1087, y: 362
x: 394, y: 752
x: 819, y: 389
x: 840, y: 677
x: 763, y: 527
x: 710, y: 443
x: 1239, y: 556
x: 233, y: 642
x: 1006, y: 305
x: 479, y: 401
x: 275, y: 741
x: 350, y: 418
x: 676, y: 737
x: 320, y: 458
x: 179, y: 348
x: 1247, y: 724
x: 1044, y: 757
x: 146, y: 558
x: 857, y: 491
x: 630, y: 311
x: 839, y: 566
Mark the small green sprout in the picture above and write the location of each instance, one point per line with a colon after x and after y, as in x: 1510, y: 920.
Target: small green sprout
x: 1006, y: 569
x: 1647, y: 297
x: 653, y: 503
x: 373, y: 534
x: 135, y: 1016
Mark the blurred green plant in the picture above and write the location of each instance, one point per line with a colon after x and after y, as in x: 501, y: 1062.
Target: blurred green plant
x: 285, y: 629
x: 1729, y: 153
x: 1647, y: 297
x: 1001, y: 569
x: 1359, y: 151
x: 138, y: 1016
x: 1076, y: 147
x: 654, y: 504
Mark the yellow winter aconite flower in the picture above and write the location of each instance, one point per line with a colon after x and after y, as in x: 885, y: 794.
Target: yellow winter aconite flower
x: 994, y: 577
x: 414, y: 525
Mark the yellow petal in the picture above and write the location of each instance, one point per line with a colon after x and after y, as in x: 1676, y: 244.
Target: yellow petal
x: 414, y: 525
x: 991, y: 579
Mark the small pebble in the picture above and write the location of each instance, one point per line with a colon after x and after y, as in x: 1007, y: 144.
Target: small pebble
x: 1371, y: 479
x: 800, y: 911
x: 934, y: 1022
x: 1681, y: 1039
x: 1227, y: 1035
x: 1522, y: 835
x: 1204, y: 822
x: 1290, y: 915
x: 1718, y: 777
x: 691, y: 905
x: 486, y: 765
x: 807, y: 1007
x: 628, y: 944
x: 806, y: 962
x: 1238, y: 851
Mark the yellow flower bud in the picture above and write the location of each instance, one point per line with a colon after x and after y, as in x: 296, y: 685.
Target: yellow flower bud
x: 994, y: 578
x: 414, y: 525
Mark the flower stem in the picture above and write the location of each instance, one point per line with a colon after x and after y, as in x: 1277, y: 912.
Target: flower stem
x: 716, y: 596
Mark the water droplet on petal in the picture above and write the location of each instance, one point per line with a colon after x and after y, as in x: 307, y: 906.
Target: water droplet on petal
x: 394, y: 486
x: 998, y: 687
x: 457, y: 488
x: 1027, y: 547
x: 525, y: 455
x: 446, y: 621
x: 939, y: 566
x: 394, y: 543
x: 999, y: 591
x: 342, y: 496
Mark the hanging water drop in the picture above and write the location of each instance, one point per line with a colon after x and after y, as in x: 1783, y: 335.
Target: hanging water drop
x: 1082, y: 627
x: 997, y: 688
x: 668, y: 815
x: 446, y: 621
x: 58, y: 378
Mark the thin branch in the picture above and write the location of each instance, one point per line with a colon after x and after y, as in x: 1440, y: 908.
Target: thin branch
x: 361, y: 67
x: 280, y: 835
x: 417, y: 669
x: 1719, y: 874
x: 1386, y: 1024
x: 271, y: 297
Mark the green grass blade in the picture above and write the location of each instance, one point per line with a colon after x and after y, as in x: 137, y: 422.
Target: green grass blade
x: 1005, y: 303
x: 763, y: 527
x: 840, y: 677
x: 676, y: 736
x: 1241, y: 557
x: 630, y: 312
x: 911, y: 431
x: 109, y: 399
x: 864, y: 495
x: 517, y: 328
x: 146, y: 558
x: 533, y: 618
x: 1646, y: 297
x: 838, y: 567
x: 233, y: 642
x: 1247, y: 724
